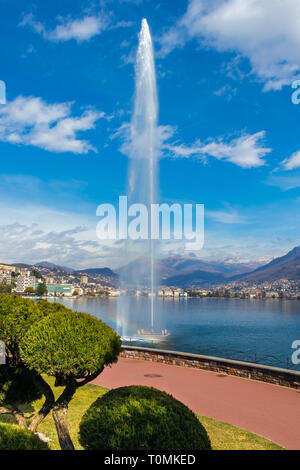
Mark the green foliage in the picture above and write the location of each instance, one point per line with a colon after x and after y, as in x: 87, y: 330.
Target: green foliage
x: 46, y: 308
x: 16, y: 316
x: 41, y: 289
x: 29, y: 290
x: 141, y: 418
x: 36, y: 273
x: 4, y: 287
x: 14, y: 438
x: 16, y: 386
x: 70, y: 344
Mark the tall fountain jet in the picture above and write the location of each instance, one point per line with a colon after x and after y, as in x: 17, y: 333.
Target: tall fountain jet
x: 142, y: 178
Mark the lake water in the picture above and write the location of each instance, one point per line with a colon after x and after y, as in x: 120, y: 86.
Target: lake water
x: 251, y: 330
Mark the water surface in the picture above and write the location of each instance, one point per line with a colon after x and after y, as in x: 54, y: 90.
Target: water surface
x: 251, y: 330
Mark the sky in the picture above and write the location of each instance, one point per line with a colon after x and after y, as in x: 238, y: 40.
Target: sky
x: 230, y: 130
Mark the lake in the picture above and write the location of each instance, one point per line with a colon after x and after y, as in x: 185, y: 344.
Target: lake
x: 251, y: 330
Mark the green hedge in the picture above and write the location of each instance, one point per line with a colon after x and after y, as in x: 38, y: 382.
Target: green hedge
x: 141, y: 418
x: 13, y: 437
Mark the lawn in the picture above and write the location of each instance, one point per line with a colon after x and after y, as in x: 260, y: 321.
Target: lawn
x: 223, y: 436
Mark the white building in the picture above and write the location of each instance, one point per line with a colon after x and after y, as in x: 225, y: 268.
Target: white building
x: 23, y: 282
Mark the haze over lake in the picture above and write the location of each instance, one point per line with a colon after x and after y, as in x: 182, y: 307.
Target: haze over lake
x: 251, y: 330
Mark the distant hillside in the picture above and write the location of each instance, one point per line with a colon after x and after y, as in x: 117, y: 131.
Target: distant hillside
x: 106, y: 272
x: 196, y: 278
x: 184, y: 271
x: 53, y: 267
x: 285, y: 267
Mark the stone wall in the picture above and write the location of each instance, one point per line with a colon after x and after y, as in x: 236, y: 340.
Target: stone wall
x: 274, y: 375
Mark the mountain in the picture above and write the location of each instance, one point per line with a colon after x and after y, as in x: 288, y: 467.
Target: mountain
x: 53, y: 267
x: 195, y: 278
x: 285, y: 267
x: 105, y: 272
x: 184, y: 271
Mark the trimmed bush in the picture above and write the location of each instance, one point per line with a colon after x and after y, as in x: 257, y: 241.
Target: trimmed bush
x: 141, y: 418
x: 16, y: 316
x: 46, y: 308
x: 68, y: 344
x: 14, y: 438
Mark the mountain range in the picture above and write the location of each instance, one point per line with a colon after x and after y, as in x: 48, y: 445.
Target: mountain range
x: 186, y: 272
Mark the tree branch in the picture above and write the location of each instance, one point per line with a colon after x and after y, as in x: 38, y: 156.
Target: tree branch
x: 46, y: 390
x: 5, y: 411
x: 19, y: 417
x: 90, y: 378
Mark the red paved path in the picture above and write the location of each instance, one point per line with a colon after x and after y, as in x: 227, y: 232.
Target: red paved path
x: 265, y: 409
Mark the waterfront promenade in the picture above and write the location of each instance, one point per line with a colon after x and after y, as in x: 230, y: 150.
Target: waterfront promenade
x: 268, y: 410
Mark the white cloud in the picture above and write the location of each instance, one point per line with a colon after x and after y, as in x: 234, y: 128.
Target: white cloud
x: 267, y: 32
x: 246, y: 151
x: 229, y: 216
x: 31, y: 121
x: 82, y: 29
x: 292, y: 162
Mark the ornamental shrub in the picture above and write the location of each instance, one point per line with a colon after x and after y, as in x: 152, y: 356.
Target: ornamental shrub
x: 69, y: 345
x: 141, y: 418
x: 13, y: 437
x: 16, y: 317
x: 46, y: 307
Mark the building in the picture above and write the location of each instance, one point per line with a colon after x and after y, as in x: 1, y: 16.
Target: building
x: 23, y: 282
x: 60, y: 290
x: 23, y: 271
x: 4, y: 268
x: 84, y: 280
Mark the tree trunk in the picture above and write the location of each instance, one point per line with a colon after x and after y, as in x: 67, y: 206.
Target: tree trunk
x: 60, y: 416
x: 48, y: 404
x: 19, y: 417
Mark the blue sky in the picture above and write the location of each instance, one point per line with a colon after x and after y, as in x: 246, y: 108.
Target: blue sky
x: 225, y: 70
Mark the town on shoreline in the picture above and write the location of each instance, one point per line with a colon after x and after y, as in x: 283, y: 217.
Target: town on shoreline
x: 50, y: 282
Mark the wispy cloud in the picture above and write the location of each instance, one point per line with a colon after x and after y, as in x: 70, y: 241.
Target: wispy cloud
x: 292, y: 162
x: 265, y: 32
x: 32, y: 121
x: 226, y: 216
x: 82, y: 29
x: 285, y: 183
x: 247, y: 151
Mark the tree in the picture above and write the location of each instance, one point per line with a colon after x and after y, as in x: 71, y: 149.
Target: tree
x: 29, y: 290
x: 41, y: 289
x: 73, y: 347
x: 36, y: 273
x: 17, y: 382
x: 141, y: 418
x: 4, y: 287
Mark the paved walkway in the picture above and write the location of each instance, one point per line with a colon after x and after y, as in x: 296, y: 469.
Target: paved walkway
x: 265, y: 409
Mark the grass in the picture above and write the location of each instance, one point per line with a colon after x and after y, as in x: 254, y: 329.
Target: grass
x: 223, y: 436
